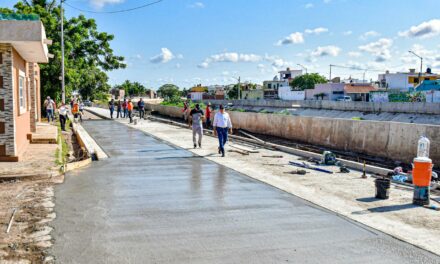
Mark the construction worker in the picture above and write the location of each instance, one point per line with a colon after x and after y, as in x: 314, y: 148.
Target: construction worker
x: 124, y: 108
x: 130, y: 110
x: 75, y: 110
x: 196, y: 117
x: 111, y: 107
x: 141, y: 108
x: 208, y: 115
x: 118, y: 109
x: 222, y: 123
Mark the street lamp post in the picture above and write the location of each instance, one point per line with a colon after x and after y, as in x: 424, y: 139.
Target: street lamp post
x: 300, y: 65
x: 421, y: 64
x: 63, y: 89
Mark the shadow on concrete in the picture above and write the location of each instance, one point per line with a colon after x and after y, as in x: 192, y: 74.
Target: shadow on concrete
x: 391, y: 208
x: 367, y: 199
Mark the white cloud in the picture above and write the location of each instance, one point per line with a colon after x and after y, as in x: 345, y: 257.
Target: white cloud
x: 380, y: 49
x: 424, y: 30
x: 309, y: 5
x: 233, y: 57
x: 326, y: 51
x: 369, y: 34
x: 163, y: 57
x: 101, y: 3
x: 316, y: 31
x: 294, y: 38
x: 277, y: 62
x: 225, y: 73
x: 347, y: 33
x: 178, y: 65
x: 261, y: 66
x: 354, y: 54
x: 197, y: 5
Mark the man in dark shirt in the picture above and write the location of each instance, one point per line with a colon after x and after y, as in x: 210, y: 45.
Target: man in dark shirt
x: 196, y: 118
x: 141, y: 108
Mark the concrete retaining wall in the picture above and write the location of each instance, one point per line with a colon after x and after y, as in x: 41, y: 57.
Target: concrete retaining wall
x: 393, y: 140
x: 413, y: 108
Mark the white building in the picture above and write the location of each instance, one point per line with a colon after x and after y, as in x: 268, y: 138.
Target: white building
x: 404, y: 81
x: 289, y: 74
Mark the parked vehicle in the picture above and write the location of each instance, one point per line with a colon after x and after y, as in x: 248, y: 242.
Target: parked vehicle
x: 87, y: 103
x: 344, y: 98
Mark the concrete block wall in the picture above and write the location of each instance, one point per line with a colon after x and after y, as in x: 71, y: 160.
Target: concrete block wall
x: 7, y: 135
x: 393, y: 140
x: 411, y: 108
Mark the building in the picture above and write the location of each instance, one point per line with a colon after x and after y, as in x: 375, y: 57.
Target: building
x: 359, y: 92
x: 274, y: 84
x: 431, y: 89
x: 404, y: 81
x: 286, y: 93
x: 326, y: 91
x: 23, y: 44
x: 289, y: 74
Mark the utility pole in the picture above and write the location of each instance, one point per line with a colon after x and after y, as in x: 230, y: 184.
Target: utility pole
x: 421, y: 64
x: 239, y: 88
x: 300, y: 65
x: 330, y: 76
x: 63, y: 89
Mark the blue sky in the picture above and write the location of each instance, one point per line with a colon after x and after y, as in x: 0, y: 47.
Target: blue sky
x: 212, y: 41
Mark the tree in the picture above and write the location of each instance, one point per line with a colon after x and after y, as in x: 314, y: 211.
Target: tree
x: 168, y: 91
x: 131, y: 88
x: 307, y: 81
x: 88, y: 53
x: 233, y: 92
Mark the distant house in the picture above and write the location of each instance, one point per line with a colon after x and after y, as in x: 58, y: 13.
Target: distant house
x: 23, y: 44
x: 197, y: 92
x: 404, y: 81
x: 431, y: 89
x: 326, y: 91
x: 359, y: 92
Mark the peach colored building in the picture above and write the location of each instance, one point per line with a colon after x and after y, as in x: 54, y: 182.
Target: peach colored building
x: 23, y: 44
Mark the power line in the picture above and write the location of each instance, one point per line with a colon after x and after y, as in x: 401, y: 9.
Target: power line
x: 112, y: 12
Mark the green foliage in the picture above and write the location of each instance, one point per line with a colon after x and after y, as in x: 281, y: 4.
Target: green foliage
x: 322, y: 95
x: 168, y: 91
x: 177, y: 101
x: 233, y: 92
x: 357, y: 118
x: 87, y: 51
x: 307, y: 81
x: 131, y: 88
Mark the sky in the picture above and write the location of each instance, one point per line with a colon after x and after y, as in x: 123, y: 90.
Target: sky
x: 187, y: 42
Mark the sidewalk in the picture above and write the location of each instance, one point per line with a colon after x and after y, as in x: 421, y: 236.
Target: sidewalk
x: 345, y: 194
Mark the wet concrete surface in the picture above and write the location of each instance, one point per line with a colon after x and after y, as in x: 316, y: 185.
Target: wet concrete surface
x: 151, y: 202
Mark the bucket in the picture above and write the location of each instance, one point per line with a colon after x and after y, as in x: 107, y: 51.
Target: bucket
x: 421, y: 195
x: 422, y: 172
x: 382, y: 188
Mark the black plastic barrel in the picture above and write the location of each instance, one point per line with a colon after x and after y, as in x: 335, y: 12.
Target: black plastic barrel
x: 382, y: 188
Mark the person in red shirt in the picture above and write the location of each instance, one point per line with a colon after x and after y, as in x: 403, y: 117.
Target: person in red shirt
x: 208, y: 115
x: 130, y: 110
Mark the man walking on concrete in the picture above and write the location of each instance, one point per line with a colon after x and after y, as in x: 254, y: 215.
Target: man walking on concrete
x: 49, y: 104
x: 124, y: 108
x: 118, y: 109
x: 141, y: 108
x: 111, y: 107
x: 222, y: 123
x: 62, y: 110
x: 130, y: 110
x: 196, y: 118
x: 208, y: 115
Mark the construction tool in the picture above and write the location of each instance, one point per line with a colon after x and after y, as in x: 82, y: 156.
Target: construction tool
x: 244, y: 149
x: 242, y: 152
x: 307, y: 166
x: 272, y: 156
x: 11, y: 220
x: 253, y: 137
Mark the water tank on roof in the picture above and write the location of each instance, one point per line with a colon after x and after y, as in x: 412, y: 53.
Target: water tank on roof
x: 428, y: 70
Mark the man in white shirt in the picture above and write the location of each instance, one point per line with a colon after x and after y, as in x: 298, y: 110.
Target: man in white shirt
x: 49, y: 104
x: 63, y: 116
x: 222, y: 123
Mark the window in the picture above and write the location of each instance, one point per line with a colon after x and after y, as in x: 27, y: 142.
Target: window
x: 22, y: 92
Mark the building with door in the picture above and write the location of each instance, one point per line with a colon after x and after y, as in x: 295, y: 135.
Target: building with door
x: 23, y: 45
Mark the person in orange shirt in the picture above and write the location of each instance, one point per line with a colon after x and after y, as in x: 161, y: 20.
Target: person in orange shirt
x: 75, y: 110
x: 130, y: 110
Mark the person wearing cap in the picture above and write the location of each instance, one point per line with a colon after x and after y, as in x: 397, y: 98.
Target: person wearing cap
x: 222, y: 124
x: 49, y: 104
x: 208, y: 115
x: 196, y: 118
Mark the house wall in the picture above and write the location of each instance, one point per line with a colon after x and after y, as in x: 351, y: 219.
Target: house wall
x: 7, y: 127
x: 328, y: 89
x: 22, y: 118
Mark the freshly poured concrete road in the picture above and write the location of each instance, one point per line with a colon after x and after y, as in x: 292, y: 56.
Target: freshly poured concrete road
x: 151, y: 202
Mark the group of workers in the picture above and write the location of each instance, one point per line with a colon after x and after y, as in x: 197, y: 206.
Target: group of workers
x: 221, y: 125
x: 76, y: 106
x: 124, y: 109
